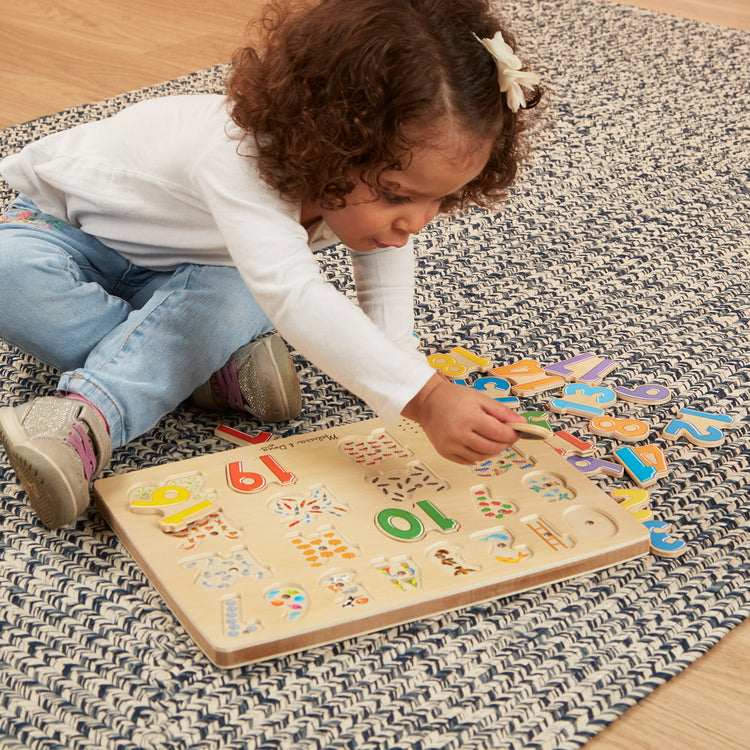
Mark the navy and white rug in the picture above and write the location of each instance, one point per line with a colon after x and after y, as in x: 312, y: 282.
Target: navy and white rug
x: 627, y: 236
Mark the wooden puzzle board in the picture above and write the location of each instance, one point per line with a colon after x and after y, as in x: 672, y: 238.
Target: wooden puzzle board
x: 272, y: 548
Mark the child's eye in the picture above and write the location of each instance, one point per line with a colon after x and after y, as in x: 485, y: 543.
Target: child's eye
x: 395, y: 199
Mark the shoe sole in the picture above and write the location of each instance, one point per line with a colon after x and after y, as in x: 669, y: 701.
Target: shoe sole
x: 273, y: 367
x: 46, y: 486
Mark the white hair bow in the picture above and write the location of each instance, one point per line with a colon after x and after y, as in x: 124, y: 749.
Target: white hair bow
x: 509, y: 73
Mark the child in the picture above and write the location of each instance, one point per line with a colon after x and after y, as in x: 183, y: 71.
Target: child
x: 144, y: 251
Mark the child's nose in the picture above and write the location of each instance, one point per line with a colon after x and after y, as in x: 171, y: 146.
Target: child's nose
x: 415, y: 219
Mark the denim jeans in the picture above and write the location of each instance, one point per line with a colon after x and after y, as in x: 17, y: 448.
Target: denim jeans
x: 133, y: 341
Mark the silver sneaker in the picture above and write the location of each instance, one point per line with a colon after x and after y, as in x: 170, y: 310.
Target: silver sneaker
x: 259, y: 378
x: 56, y: 446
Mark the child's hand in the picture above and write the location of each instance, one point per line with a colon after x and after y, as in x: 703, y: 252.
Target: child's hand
x: 464, y: 425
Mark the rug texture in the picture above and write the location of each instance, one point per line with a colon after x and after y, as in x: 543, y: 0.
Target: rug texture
x: 627, y: 236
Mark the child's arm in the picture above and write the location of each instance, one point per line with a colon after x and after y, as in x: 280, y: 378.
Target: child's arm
x: 462, y: 423
x: 384, y: 281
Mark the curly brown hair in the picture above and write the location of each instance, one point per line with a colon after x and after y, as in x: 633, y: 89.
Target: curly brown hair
x: 330, y: 88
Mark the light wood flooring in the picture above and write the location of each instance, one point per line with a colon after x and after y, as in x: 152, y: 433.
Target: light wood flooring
x: 56, y: 54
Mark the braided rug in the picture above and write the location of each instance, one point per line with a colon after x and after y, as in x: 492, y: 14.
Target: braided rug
x: 628, y: 236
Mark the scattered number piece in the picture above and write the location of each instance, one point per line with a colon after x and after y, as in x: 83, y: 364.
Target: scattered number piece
x: 528, y: 377
x: 647, y: 393
x: 241, y: 438
x: 459, y: 363
x: 698, y: 427
x: 629, y: 430
x: 565, y: 443
x: 496, y: 388
x: 583, y: 368
x: 592, y: 466
x: 644, y: 464
x: 583, y: 400
x: 663, y: 544
x: 635, y: 501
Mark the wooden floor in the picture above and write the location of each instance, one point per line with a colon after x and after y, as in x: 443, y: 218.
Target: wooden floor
x: 59, y: 53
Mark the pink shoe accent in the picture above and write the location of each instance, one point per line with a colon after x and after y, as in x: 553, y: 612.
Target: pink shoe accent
x: 81, y: 441
x: 76, y: 397
x: 226, y: 386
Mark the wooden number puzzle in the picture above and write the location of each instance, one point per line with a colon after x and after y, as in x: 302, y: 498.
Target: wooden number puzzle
x: 271, y: 548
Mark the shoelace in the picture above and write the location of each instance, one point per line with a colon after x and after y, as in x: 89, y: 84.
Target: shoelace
x: 226, y: 386
x: 80, y: 440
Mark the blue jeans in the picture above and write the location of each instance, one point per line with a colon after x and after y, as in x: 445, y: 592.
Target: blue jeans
x: 133, y: 341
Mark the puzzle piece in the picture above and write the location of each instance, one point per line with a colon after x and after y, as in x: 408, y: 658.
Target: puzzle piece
x: 644, y: 463
x: 628, y: 430
x: 237, y: 437
x: 549, y: 486
x: 536, y: 425
x: 459, y: 362
x: 402, y: 484
x: 221, y: 571
x: 402, y: 524
x: 378, y: 447
x: 451, y: 557
x: 182, y: 499
x: 403, y: 573
x: 295, y: 510
x: 291, y: 600
x: 663, y: 544
x: 323, y: 546
x: 502, y: 545
x: 528, y: 377
x: 214, y: 525
x: 583, y: 400
x: 495, y: 388
x: 244, y: 481
x: 698, y: 427
x: 566, y: 444
x: 646, y: 393
x: 635, y: 501
x: 583, y: 368
x: 591, y: 466
x: 489, y: 506
x: 349, y: 592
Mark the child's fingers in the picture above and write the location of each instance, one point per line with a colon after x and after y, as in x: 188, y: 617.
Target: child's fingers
x: 482, y: 440
x: 464, y: 425
x: 501, y: 412
x: 497, y: 426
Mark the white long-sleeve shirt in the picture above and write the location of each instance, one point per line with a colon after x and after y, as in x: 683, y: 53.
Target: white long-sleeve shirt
x: 168, y: 181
